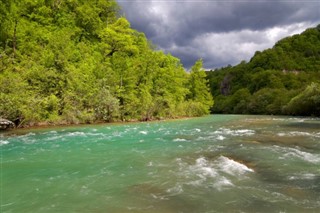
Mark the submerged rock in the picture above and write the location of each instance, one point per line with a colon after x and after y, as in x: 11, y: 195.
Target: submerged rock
x: 6, y: 124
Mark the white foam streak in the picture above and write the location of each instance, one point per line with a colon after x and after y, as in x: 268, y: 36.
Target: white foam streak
x: 218, y: 173
x: 221, y: 138
x: 179, y: 140
x: 296, y: 153
x: 27, y: 138
x: 54, y: 138
x: 204, y: 169
x: 7, y: 204
x: 210, y: 174
x: 222, y: 182
x: 143, y: 132
x: 3, y: 142
x: 72, y: 134
x: 239, y: 132
x: 297, y: 133
x: 223, y: 164
x: 307, y: 176
x: 218, y: 137
x: 177, y: 189
x: 232, y: 167
x: 304, y: 155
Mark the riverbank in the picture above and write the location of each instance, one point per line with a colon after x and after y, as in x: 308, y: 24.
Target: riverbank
x: 63, y: 124
x: 49, y: 124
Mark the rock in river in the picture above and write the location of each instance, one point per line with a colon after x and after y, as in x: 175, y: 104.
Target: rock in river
x: 6, y: 124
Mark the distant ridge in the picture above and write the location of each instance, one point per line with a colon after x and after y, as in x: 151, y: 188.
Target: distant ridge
x: 273, y: 80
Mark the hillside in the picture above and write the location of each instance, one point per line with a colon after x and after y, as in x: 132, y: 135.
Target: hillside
x: 79, y: 61
x: 283, y: 80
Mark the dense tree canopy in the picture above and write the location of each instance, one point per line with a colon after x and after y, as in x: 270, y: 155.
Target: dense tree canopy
x: 281, y: 80
x: 77, y: 61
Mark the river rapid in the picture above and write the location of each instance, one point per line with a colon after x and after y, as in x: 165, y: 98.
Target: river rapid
x: 218, y: 163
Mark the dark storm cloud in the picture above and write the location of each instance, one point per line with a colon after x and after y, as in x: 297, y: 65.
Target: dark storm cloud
x: 220, y: 32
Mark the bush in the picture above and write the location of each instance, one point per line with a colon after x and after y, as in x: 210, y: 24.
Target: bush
x: 305, y: 103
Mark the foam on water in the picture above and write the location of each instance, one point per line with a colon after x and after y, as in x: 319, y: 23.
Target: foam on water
x: 222, y: 182
x: 238, y: 132
x: 55, y: 138
x: 223, y: 133
x: 27, y: 138
x: 27, y: 135
x: 305, y: 176
x: 218, y: 174
x: 177, y: 189
x: 143, y: 132
x: 301, y: 120
x: 198, y: 174
x: 96, y: 134
x: 211, y: 138
x: 3, y: 142
x: 313, y: 158
x: 220, y: 138
x: 232, y: 167
x: 75, y: 134
x: 7, y: 204
x: 297, y: 133
x: 179, y: 140
x: 204, y: 168
x: 296, y: 153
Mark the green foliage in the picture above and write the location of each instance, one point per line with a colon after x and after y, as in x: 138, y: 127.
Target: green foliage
x: 195, y: 108
x: 13, y: 95
x: 79, y: 62
x: 199, y: 91
x: 106, y: 106
x: 239, y: 100
x: 306, y: 103
x: 271, y: 82
x: 262, y: 101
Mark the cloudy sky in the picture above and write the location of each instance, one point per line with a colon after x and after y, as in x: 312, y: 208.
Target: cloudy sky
x: 220, y: 32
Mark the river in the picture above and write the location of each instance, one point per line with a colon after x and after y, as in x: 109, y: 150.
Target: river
x: 218, y: 163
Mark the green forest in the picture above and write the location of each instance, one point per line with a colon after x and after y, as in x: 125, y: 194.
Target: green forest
x: 283, y: 80
x: 79, y: 61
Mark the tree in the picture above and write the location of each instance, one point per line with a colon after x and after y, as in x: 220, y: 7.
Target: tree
x: 106, y: 106
x: 305, y: 103
x: 199, y: 90
x: 102, y: 69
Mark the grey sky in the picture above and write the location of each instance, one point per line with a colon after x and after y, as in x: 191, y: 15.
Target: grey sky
x: 220, y: 32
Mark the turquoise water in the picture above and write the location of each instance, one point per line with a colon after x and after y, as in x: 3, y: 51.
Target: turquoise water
x: 220, y: 163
